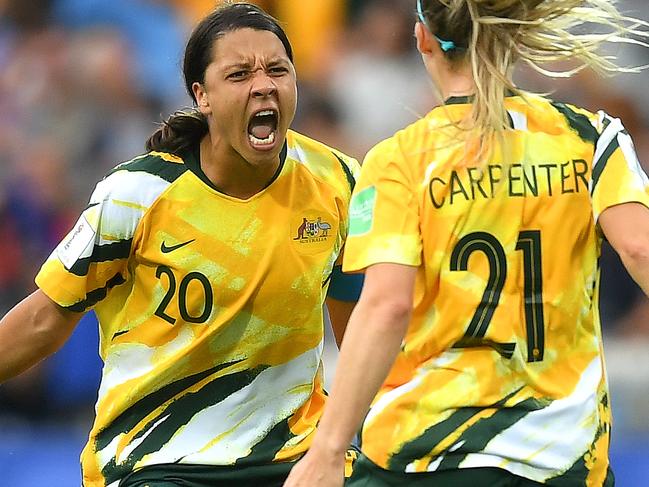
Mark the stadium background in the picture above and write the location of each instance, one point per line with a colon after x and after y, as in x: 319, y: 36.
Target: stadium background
x: 82, y: 83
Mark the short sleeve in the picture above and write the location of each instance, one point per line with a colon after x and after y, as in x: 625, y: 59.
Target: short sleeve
x: 92, y: 258
x: 384, y: 213
x: 617, y: 176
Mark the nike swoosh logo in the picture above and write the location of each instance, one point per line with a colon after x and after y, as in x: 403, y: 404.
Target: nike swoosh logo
x: 165, y: 250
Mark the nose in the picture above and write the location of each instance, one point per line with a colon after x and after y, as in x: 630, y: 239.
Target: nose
x: 263, y: 85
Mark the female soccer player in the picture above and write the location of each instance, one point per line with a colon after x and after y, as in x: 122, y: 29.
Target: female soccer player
x: 477, y: 339
x: 207, y: 260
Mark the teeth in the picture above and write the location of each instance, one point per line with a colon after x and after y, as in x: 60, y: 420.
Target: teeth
x: 267, y: 141
x: 264, y: 113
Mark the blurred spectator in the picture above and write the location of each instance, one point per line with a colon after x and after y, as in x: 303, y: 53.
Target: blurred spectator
x: 37, y: 202
x: 11, y: 260
x: 319, y: 118
x: 314, y: 28
x: 26, y: 16
x: 104, y: 117
x: 377, y: 81
x: 152, y: 31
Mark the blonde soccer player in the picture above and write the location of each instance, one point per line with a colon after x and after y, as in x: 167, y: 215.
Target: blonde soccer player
x: 476, y: 342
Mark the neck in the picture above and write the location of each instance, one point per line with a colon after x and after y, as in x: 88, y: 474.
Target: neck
x: 453, y: 80
x: 230, y: 173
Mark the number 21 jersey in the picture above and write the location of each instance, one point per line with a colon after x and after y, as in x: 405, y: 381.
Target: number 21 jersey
x: 502, y: 362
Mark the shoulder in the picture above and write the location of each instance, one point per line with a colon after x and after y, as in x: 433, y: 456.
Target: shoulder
x: 590, y: 126
x: 324, y: 162
x: 420, y: 136
x: 407, y: 141
x: 583, y: 123
x: 140, y: 180
x: 383, y: 150
x: 164, y: 165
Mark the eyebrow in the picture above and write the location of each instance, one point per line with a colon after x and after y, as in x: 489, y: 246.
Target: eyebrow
x: 247, y: 64
x: 236, y: 65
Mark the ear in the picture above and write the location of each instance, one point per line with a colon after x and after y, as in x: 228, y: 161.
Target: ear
x: 200, y: 95
x: 426, y: 43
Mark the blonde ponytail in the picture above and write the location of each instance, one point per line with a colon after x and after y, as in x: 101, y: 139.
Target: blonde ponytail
x: 495, y: 34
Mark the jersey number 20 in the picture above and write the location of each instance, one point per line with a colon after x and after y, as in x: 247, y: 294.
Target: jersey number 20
x: 182, y: 296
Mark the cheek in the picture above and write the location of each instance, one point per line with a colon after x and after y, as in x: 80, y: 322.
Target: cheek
x: 225, y: 121
x: 290, y: 98
x: 228, y: 111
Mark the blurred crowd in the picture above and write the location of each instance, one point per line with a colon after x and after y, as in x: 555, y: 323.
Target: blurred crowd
x: 84, y: 82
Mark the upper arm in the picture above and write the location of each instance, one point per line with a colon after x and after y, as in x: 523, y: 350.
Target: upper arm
x: 617, y: 176
x: 40, y: 311
x: 390, y: 287
x: 35, y: 328
x: 93, y: 258
x: 626, y: 227
x: 620, y: 190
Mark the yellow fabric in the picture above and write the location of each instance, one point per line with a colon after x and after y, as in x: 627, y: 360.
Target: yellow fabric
x: 210, y: 309
x: 502, y: 363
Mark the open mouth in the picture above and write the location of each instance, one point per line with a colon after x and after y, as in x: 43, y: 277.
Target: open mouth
x: 262, y: 128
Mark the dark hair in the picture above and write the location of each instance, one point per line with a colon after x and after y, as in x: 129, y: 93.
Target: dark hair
x: 187, y: 127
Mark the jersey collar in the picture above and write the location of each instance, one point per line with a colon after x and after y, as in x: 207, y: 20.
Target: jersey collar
x: 193, y: 162
x: 464, y: 100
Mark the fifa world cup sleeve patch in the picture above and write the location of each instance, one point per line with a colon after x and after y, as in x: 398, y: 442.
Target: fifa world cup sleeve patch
x: 78, y: 243
x: 361, y: 212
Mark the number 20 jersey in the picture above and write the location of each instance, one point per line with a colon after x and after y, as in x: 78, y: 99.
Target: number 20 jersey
x: 210, y: 309
x: 502, y: 362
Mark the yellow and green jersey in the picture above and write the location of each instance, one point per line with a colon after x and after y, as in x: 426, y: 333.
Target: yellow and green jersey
x: 502, y: 362
x: 210, y: 308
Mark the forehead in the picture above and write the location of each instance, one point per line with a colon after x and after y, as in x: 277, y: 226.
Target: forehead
x: 247, y: 45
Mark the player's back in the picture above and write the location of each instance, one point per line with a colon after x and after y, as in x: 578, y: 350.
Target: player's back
x: 501, y: 365
x: 513, y: 240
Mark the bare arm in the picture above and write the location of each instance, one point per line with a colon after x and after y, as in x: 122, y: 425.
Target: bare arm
x: 373, y: 338
x: 35, y: 328
x: 339, y: 313
x: 626, y: 227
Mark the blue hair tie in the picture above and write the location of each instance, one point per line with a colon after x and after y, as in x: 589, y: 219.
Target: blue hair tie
x: 444, y: 45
